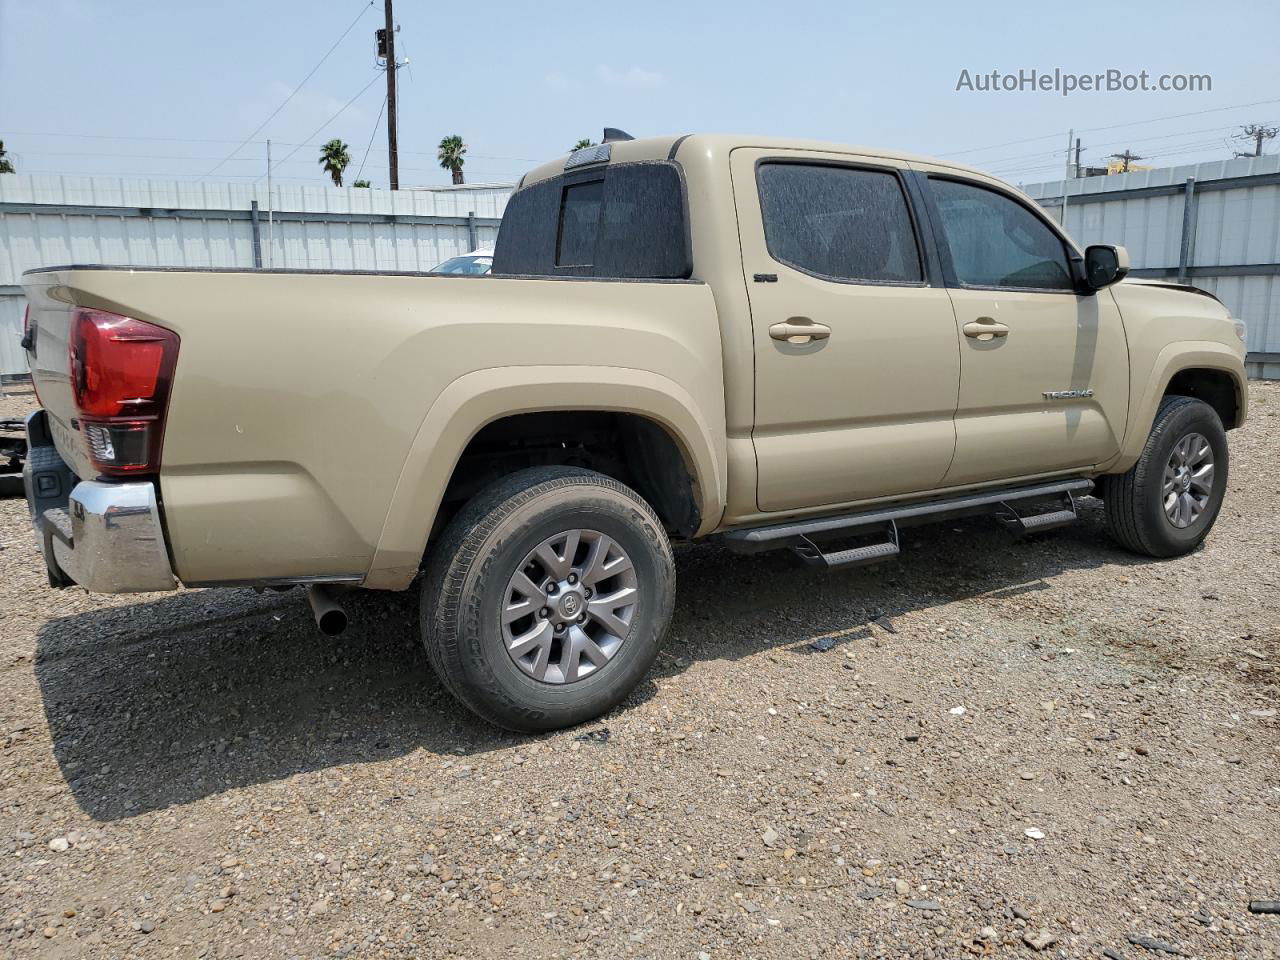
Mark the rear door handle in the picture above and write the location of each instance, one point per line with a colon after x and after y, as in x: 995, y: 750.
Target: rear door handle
x: 984, y: 328
x: 799, y: 330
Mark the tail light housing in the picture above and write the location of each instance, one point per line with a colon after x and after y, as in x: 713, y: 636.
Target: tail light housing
x: 121, y: 371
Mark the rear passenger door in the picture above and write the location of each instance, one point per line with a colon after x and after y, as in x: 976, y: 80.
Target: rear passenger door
x: 857, y: 364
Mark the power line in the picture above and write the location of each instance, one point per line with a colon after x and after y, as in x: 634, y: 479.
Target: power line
x: 362, y: 12
x: 1111, y: 143
x: 1183, y: 147
x: 245, y: 159
x: 281, y: 143
x: 340, y: 112
x: 192, y: 159
x: 503, y: 175
x: 1114, y: 126
x: 376, y: 124
x: 1003, y: 168
x: 1179, y: 116
x: 104, y: 136
x: 1165, y: 136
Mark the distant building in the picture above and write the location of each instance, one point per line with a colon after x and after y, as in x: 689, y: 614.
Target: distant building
x: 1117, y: 166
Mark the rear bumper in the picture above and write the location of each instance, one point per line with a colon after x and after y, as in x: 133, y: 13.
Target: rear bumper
x: 106, y: 537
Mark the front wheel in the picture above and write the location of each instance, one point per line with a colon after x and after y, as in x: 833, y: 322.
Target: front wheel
x: 547, y: 597
x: 1167, y: 502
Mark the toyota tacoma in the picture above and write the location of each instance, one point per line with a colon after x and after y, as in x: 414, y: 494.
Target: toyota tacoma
x: 775, y: 343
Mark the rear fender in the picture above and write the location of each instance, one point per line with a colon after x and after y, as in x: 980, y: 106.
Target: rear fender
x: 476, y: 399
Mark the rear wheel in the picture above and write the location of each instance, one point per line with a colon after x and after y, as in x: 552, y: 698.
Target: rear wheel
x: 546, y: 599
x: 1167, y: 502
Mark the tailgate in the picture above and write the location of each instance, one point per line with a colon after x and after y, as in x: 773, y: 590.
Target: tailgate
x: 50, y: 360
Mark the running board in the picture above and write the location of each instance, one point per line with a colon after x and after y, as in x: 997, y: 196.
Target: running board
x: 799, y: 535
x: 1036, y: 522
x: 812, y: 554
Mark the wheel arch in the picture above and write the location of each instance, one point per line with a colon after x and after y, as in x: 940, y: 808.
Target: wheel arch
x: 1206, y: 370
x: 1216, y: 387
x: 656, y: 410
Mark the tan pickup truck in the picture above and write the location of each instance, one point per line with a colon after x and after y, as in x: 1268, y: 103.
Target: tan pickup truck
x: 773, y: 342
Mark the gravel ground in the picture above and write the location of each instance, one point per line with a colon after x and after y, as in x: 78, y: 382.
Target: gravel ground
x: 989, y: 747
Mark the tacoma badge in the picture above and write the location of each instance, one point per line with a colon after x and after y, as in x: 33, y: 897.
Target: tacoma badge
x: 1068, y: 394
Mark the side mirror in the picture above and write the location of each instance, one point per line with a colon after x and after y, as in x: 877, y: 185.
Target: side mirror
x: 1104, y: 265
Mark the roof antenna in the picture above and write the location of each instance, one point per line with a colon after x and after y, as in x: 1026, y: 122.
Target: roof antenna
x: 613, y: 135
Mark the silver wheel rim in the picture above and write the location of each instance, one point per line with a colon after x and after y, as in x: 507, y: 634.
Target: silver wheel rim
x: 1188, y: 480
x: 569, y: 606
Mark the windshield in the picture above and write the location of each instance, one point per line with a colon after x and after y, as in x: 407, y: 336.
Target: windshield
x: 475, y: 266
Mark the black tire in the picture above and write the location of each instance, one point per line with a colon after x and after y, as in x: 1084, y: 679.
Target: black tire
x: 1135, y: 510
x: 467, y: 576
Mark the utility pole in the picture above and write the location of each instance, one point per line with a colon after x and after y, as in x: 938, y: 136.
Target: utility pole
x: 1125, y: 159
x: 1066, y: 175
x: 392, y: 150
x: 1077, y: 157
x: 1256, y: 132
x: 271, y: 227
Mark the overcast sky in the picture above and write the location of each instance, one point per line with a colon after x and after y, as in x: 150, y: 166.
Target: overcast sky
x: 171, y: 88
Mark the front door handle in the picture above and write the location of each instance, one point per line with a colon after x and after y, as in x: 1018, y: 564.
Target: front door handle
x: 984, y: 328
x: 799, y: 330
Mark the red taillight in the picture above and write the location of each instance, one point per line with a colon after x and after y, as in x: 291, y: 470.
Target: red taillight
x: 120, y: 374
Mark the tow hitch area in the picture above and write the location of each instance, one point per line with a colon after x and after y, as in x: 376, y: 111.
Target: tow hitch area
x: 13, y: 451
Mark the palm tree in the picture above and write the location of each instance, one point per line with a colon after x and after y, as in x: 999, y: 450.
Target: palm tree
x: 334, y: 158
x: 584, y: 143
x: 450, y: 156
x: 6, y: 165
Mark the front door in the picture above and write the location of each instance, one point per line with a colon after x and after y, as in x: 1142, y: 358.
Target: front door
x: 1044, y: 369
x: 857, y: 364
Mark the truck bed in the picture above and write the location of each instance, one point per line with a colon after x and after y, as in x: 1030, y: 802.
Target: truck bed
x: 299, y: 396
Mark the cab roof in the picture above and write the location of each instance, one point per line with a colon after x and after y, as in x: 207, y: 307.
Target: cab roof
x: 670, y: 147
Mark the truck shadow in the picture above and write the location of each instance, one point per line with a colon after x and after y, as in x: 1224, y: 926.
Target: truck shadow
x: 165, y: 702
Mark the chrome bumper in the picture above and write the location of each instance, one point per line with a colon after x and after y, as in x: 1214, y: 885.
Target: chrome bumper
x: 106, y: 537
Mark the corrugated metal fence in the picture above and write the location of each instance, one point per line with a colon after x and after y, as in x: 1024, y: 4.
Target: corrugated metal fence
x: 50, y: 220
x: 1215, y: 225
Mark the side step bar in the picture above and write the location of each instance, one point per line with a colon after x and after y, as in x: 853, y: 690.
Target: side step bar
x: 800, y: 535
x: 1034, y: 523
x: 811, y: 553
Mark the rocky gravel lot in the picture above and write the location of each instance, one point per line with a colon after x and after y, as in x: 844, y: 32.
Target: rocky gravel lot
x: 989, y: 747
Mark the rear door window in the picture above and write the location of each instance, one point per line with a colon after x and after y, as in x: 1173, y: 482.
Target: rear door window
x: 840, y: 223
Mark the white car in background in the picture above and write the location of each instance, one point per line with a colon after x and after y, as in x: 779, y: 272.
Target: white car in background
x: 476, y: 263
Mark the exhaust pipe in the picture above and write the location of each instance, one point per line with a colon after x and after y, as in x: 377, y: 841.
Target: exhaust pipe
x: 331, y: 618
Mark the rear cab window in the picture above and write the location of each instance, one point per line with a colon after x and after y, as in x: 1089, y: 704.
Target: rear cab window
x: 618, y: 221
x: 579, y: 224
